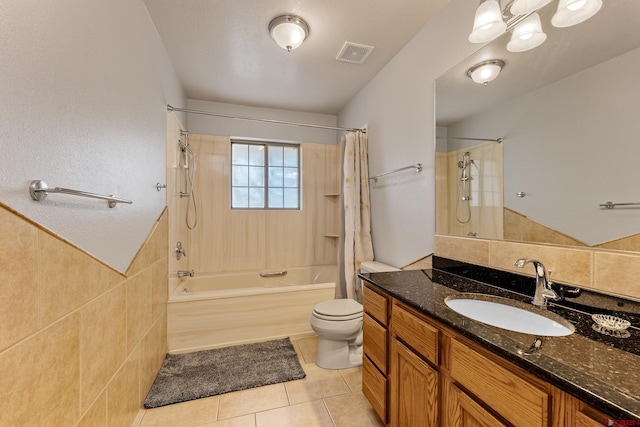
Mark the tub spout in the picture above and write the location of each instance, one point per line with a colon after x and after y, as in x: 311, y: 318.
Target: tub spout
x: 186, y: 273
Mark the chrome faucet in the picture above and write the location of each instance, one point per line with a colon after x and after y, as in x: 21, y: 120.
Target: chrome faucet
x: 544, y: 287
x: 186, y: 273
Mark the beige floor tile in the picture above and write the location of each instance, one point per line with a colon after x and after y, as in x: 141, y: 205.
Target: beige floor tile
x: 185, y: 414
x: 310, y: 414
x: 352, y: 410
x: 317, y: 384
x: 353, y: 377
x: 252, y: 400
x: 243, y: 421
x: 309, y: 348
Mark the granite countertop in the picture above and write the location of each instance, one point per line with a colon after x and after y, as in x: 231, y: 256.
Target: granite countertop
x: 599, y: 369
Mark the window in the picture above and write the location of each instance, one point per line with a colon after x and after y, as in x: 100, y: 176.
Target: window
x: 265, y: 175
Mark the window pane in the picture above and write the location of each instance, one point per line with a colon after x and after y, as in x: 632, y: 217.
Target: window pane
x: 275, y: 177
x: 291, y: 156
x: 256, y: 176
x: 290, y: 197
x: 256, y: 197
x: 239, y: 154
x: 240, y: 176
x: 256, y: 155
x: 275, y: 198
x: 275, y: 156
x: 239, y: 197
x: 290, y: 177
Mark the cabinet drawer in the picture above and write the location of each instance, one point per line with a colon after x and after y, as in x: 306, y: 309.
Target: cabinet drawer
x: 375, y: 342
x: 374, y: 387
x: 584, y: 420
x: 415, y: 332
x: 512, y: 397
x: 375, y: 305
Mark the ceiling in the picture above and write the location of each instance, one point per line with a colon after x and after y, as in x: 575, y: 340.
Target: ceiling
x: 611, y: 32
x: 222, y: 52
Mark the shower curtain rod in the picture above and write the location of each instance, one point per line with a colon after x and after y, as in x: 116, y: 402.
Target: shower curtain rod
x: 278, y: 122
x: 498, y: 140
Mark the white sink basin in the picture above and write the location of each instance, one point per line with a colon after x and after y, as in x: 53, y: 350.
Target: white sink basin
x: 510, y: 315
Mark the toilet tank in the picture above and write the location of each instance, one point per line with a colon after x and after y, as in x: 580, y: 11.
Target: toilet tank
x: 375, y: 267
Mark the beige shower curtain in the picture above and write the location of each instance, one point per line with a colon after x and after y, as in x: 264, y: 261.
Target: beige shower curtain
x: 355, y: 238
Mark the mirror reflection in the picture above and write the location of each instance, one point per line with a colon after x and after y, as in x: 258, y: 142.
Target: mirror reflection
x: 534, y: 153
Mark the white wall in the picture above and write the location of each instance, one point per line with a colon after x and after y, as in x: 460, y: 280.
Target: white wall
x: 83, y: 89
x: 210, y: 125
x: 571, y: 146
x: 398, y: 105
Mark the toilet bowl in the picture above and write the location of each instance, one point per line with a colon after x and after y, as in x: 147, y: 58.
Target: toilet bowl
x: 338, y: 324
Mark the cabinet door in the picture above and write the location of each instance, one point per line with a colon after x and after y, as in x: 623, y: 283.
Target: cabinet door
x: 413, y: 389
x: 463, y: 411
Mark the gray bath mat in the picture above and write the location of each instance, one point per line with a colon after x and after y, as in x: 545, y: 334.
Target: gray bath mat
x: 211, y: 372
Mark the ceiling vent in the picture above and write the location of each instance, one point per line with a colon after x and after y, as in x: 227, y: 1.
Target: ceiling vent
x: 354, y: 53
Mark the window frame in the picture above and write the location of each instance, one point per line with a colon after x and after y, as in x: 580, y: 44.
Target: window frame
x: 266, y: 186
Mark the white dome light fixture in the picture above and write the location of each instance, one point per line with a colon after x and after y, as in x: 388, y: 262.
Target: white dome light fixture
x: 289, y: 31
x: 486, y: 71
x: 525, y: 7
x: 488, y: 23
x: 572, y: 12
x: 527, y: 34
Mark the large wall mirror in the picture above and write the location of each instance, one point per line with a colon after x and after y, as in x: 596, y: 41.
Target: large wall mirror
x: 568, y: 113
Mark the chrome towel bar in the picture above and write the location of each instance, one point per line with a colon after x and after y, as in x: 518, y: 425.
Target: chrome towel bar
x: 611, y: 205
x: 417, y: 167
x: 38, y: 190
x: 274, y: 274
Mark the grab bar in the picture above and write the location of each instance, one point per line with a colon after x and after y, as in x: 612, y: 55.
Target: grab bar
x: 417, y: 167
x: 611, y: 205
x: 274, y: 274
x: 38, y: 190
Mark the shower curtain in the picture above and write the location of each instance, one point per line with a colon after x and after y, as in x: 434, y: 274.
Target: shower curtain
x: 355, y: 236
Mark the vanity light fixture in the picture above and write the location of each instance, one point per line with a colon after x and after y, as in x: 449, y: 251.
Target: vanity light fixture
x: 572, y: 12
x: 289, y: 31
x: 527, y: 34
x: 491, y: 21
x: 525, y: 7
x: 488, y: 23
x: 486, y: 71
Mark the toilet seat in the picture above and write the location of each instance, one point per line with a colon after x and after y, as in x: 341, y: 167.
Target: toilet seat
x: 338, y: 310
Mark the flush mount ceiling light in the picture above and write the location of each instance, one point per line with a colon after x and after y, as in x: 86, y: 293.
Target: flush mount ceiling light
x: 486, y: 71
x: 491, y: 21
x: 289, y: 31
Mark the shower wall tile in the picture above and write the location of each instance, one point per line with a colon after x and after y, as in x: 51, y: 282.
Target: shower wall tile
x: 567, y: 265
x: 123, y: 396
x: 139, y: 307
x: 103, y: 342
x: 159, y: 287
x: 41, y: 376
x: 97, y: 413
x: 68, y: 278
x: 237, y: 240
x: 475, y: 251
x: 63, y: 346
x: 19, y: 278
x: 618, y: 273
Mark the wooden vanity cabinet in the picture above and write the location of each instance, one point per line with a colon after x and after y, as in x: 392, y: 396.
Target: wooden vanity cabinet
x: 375, y: 350
x: 426, y: 374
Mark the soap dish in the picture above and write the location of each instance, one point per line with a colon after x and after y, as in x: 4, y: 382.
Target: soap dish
x: 616, y: 334
x: 611, y: 322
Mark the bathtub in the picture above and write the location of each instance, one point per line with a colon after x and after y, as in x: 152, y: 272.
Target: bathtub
x: 218, y: 310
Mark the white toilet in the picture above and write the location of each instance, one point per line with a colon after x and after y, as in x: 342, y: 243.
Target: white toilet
x: 338, y: 324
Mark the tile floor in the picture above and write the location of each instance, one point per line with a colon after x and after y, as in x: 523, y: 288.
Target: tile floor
x: 324, y: 398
